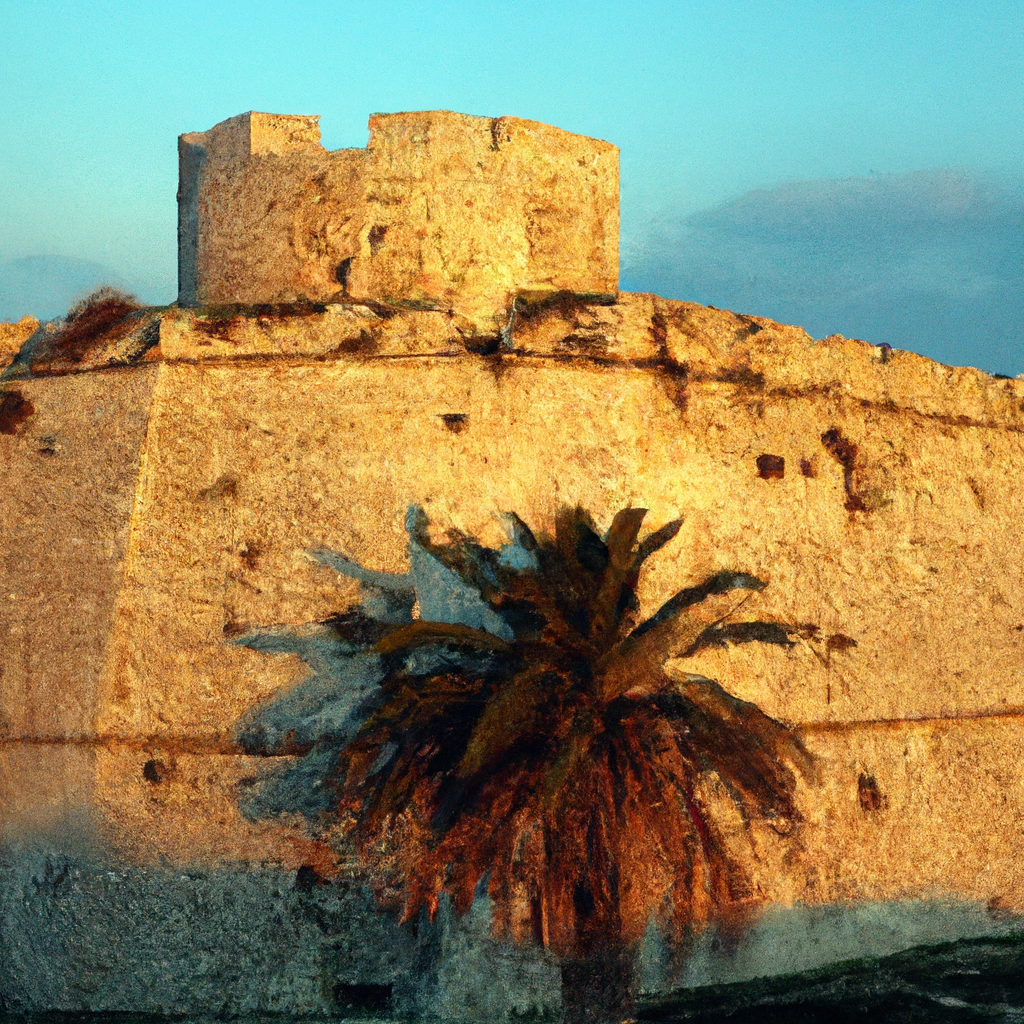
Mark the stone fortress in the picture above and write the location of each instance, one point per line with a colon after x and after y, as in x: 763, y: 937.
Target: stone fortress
x: 436, y: 320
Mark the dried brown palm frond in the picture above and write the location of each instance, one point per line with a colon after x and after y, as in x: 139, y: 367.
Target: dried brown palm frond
x: 523, y: 733
x: 92, y: 325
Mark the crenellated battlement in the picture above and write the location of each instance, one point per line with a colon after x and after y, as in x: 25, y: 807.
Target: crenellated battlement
x: 440, y: 211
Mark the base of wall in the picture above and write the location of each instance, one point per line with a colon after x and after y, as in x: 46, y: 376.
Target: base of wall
x: 80, y: 935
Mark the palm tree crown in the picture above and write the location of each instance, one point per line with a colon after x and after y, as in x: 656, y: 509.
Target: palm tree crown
x: 521, y: 734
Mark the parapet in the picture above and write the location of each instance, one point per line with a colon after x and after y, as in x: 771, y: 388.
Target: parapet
x: 440, y: 211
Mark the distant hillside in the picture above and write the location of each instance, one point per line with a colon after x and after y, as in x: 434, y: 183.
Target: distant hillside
x: 46, y: 286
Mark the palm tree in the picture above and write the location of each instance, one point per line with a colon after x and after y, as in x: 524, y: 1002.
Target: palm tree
x: 522, y: 732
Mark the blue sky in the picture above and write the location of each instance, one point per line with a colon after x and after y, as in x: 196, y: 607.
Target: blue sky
x: 770, y: 151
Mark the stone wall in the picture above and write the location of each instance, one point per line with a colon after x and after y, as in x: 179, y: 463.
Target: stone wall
x: 156, y: 508
x: 440, y: 211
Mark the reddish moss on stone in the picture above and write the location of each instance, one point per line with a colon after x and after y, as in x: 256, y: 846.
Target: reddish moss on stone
x: 15, y: 409
x: 98, y: 317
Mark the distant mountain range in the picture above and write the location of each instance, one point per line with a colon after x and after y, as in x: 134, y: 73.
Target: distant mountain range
x: 47, y: 286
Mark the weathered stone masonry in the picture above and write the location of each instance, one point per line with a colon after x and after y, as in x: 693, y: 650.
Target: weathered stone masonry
x: 440, y: 211
x: 165, y: 481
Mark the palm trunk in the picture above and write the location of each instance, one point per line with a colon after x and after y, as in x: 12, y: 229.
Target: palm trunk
x: 598, y: 989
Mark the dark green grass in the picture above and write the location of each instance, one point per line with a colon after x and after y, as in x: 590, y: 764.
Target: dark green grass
x: 969, y: 980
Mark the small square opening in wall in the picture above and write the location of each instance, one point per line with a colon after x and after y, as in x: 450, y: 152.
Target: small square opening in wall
x: 361, y: 997
x: 456, y: 422
x: 771, y: 467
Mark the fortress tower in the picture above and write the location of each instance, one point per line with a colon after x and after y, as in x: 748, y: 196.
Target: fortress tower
x: 440, y: 211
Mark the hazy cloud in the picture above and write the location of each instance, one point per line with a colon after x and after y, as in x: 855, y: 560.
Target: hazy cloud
x: 47, y: 286
x: 932, y: 262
